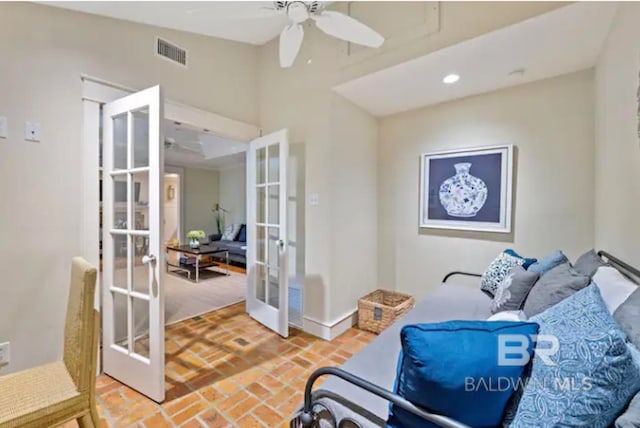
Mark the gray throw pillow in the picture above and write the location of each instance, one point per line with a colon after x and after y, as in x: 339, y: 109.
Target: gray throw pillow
x: 631, y: 417
x: 513, y: 290
x: 628, y: 317
x: 588, y: 263
x: 553, y: 287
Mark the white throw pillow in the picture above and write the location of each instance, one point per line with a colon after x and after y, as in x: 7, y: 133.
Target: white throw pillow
x: 614, y: 287
x: 508, y: 316
x: 231, y: 232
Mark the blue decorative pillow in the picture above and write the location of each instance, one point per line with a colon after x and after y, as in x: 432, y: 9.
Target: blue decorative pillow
x: 548, y: 262
x: 242, y: 235
x: 594, y: 375
x: 527, y: 261
x: 452, y: 368
x: 498, y: 270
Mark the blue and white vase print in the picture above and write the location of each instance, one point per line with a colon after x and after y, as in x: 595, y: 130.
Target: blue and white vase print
x: 463, y: 195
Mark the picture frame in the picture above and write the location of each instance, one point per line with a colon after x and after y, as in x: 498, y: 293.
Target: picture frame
x: 467, y: 189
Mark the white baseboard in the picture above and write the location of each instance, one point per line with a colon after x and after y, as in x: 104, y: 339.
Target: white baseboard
x: 329, y: 331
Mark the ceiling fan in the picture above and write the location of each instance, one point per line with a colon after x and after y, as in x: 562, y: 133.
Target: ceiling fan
x: 333, y: 23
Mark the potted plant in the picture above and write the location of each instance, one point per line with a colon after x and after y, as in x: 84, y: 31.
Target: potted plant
x: 195, y: 236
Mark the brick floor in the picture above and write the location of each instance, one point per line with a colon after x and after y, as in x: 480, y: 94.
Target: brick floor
x: 223, y: 369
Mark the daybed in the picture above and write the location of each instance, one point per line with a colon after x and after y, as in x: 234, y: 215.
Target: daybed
x: 358, y: 393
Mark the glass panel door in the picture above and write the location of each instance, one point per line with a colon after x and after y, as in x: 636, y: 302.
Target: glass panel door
x: 267, y: 232
x: 133, y: 309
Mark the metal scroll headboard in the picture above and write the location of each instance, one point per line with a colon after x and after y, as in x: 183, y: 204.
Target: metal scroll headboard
x: 621, y: 265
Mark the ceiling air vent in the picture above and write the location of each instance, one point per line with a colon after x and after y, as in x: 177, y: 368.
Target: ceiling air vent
x: 171, y: 52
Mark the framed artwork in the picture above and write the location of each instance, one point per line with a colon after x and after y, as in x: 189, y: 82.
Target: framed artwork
x: 468, y: 189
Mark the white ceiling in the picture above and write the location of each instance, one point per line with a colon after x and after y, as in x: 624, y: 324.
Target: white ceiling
x: 559, y: 42
x: 242, y: 21
x: 196, y: 149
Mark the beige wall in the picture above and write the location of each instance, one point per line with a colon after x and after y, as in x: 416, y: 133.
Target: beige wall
x: 617, y: 159
x: 551, y: 124
x: 233, y: 193
x: 44, y: 52
x: 201, y: 193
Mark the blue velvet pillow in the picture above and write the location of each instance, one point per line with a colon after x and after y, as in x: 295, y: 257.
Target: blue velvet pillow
x: 242, y: 235
x: 548, y: 262
x: 592, y: 376
x: 527, y: 261
x: 452, y: 368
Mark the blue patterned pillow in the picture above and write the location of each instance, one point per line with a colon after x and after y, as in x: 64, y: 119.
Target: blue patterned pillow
x: 548, y: 262
x: 594, y: 375
x: 498, y: 270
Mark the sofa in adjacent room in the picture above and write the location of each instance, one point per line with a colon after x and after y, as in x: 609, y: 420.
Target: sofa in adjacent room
x: 237, y: 246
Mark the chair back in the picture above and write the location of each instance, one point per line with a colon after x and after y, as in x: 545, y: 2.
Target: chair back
x: 80, y: 325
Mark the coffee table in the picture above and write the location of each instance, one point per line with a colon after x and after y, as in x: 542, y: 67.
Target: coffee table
x: 202, y: 250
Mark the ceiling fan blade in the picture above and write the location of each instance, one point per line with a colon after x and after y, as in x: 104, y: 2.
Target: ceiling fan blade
x: 344, y: 27
x: 290, y: 42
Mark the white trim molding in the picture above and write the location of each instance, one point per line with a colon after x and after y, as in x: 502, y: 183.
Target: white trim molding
x: 102, y: 91
x: 331, y: 330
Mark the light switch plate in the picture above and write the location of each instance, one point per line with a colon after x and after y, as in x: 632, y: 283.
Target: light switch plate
x: 5, y: 353
x: 314, y: 199
x: 4, y: 127
x: 32, y: 131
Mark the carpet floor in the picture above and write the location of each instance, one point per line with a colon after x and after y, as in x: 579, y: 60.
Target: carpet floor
x: 184, y: 299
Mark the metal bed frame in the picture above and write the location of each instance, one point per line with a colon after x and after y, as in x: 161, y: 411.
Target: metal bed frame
x: 307, y: 417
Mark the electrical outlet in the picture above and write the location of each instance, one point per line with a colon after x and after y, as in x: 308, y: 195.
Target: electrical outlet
x: 5, y: 353
x: 32, y: 132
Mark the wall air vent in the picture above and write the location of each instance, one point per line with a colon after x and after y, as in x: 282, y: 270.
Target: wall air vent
x: 171, y: 52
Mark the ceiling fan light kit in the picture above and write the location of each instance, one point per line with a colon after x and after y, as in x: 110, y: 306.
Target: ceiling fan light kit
x: 333, y: 23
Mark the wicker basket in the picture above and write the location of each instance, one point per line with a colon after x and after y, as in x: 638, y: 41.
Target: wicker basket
x: 381, y: 308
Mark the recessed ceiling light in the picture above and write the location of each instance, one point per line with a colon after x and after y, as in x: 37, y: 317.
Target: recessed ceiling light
x: 309, y: 61
x: 451, y: 78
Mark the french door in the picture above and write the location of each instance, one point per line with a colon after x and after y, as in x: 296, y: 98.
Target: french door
x: 267, y: 282
x: 133, y: 298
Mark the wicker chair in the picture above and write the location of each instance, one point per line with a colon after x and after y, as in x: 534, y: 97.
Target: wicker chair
x: 59, y: 392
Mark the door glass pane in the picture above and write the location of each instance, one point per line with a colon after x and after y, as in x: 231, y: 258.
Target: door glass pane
x: 273, y: 288
x: 273, y: 256
x: 261, y: 279
x: 261, y: 233
x: 261, y: 205
x: 141, y: 327
x: 140, y: 138
x: 120, y: 198
x: 274, y: 204
x: 274, y: 163
x: 261, y: 169
x: 120, y: 130
x: 120, y: 313
x: 120, y: 262
x: 140, y: 272
x: 140, y: 195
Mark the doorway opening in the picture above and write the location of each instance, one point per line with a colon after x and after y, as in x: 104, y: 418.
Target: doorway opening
x: 204, y: 195
x: 124, y: 132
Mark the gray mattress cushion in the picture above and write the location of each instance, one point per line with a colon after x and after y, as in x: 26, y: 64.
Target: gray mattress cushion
x: 377, y: 361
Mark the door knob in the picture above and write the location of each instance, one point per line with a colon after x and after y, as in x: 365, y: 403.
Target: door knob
x: 281, y: 243
x: 148, y: 259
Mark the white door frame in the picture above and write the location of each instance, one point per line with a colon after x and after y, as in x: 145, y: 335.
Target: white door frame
x: 96, y: 92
